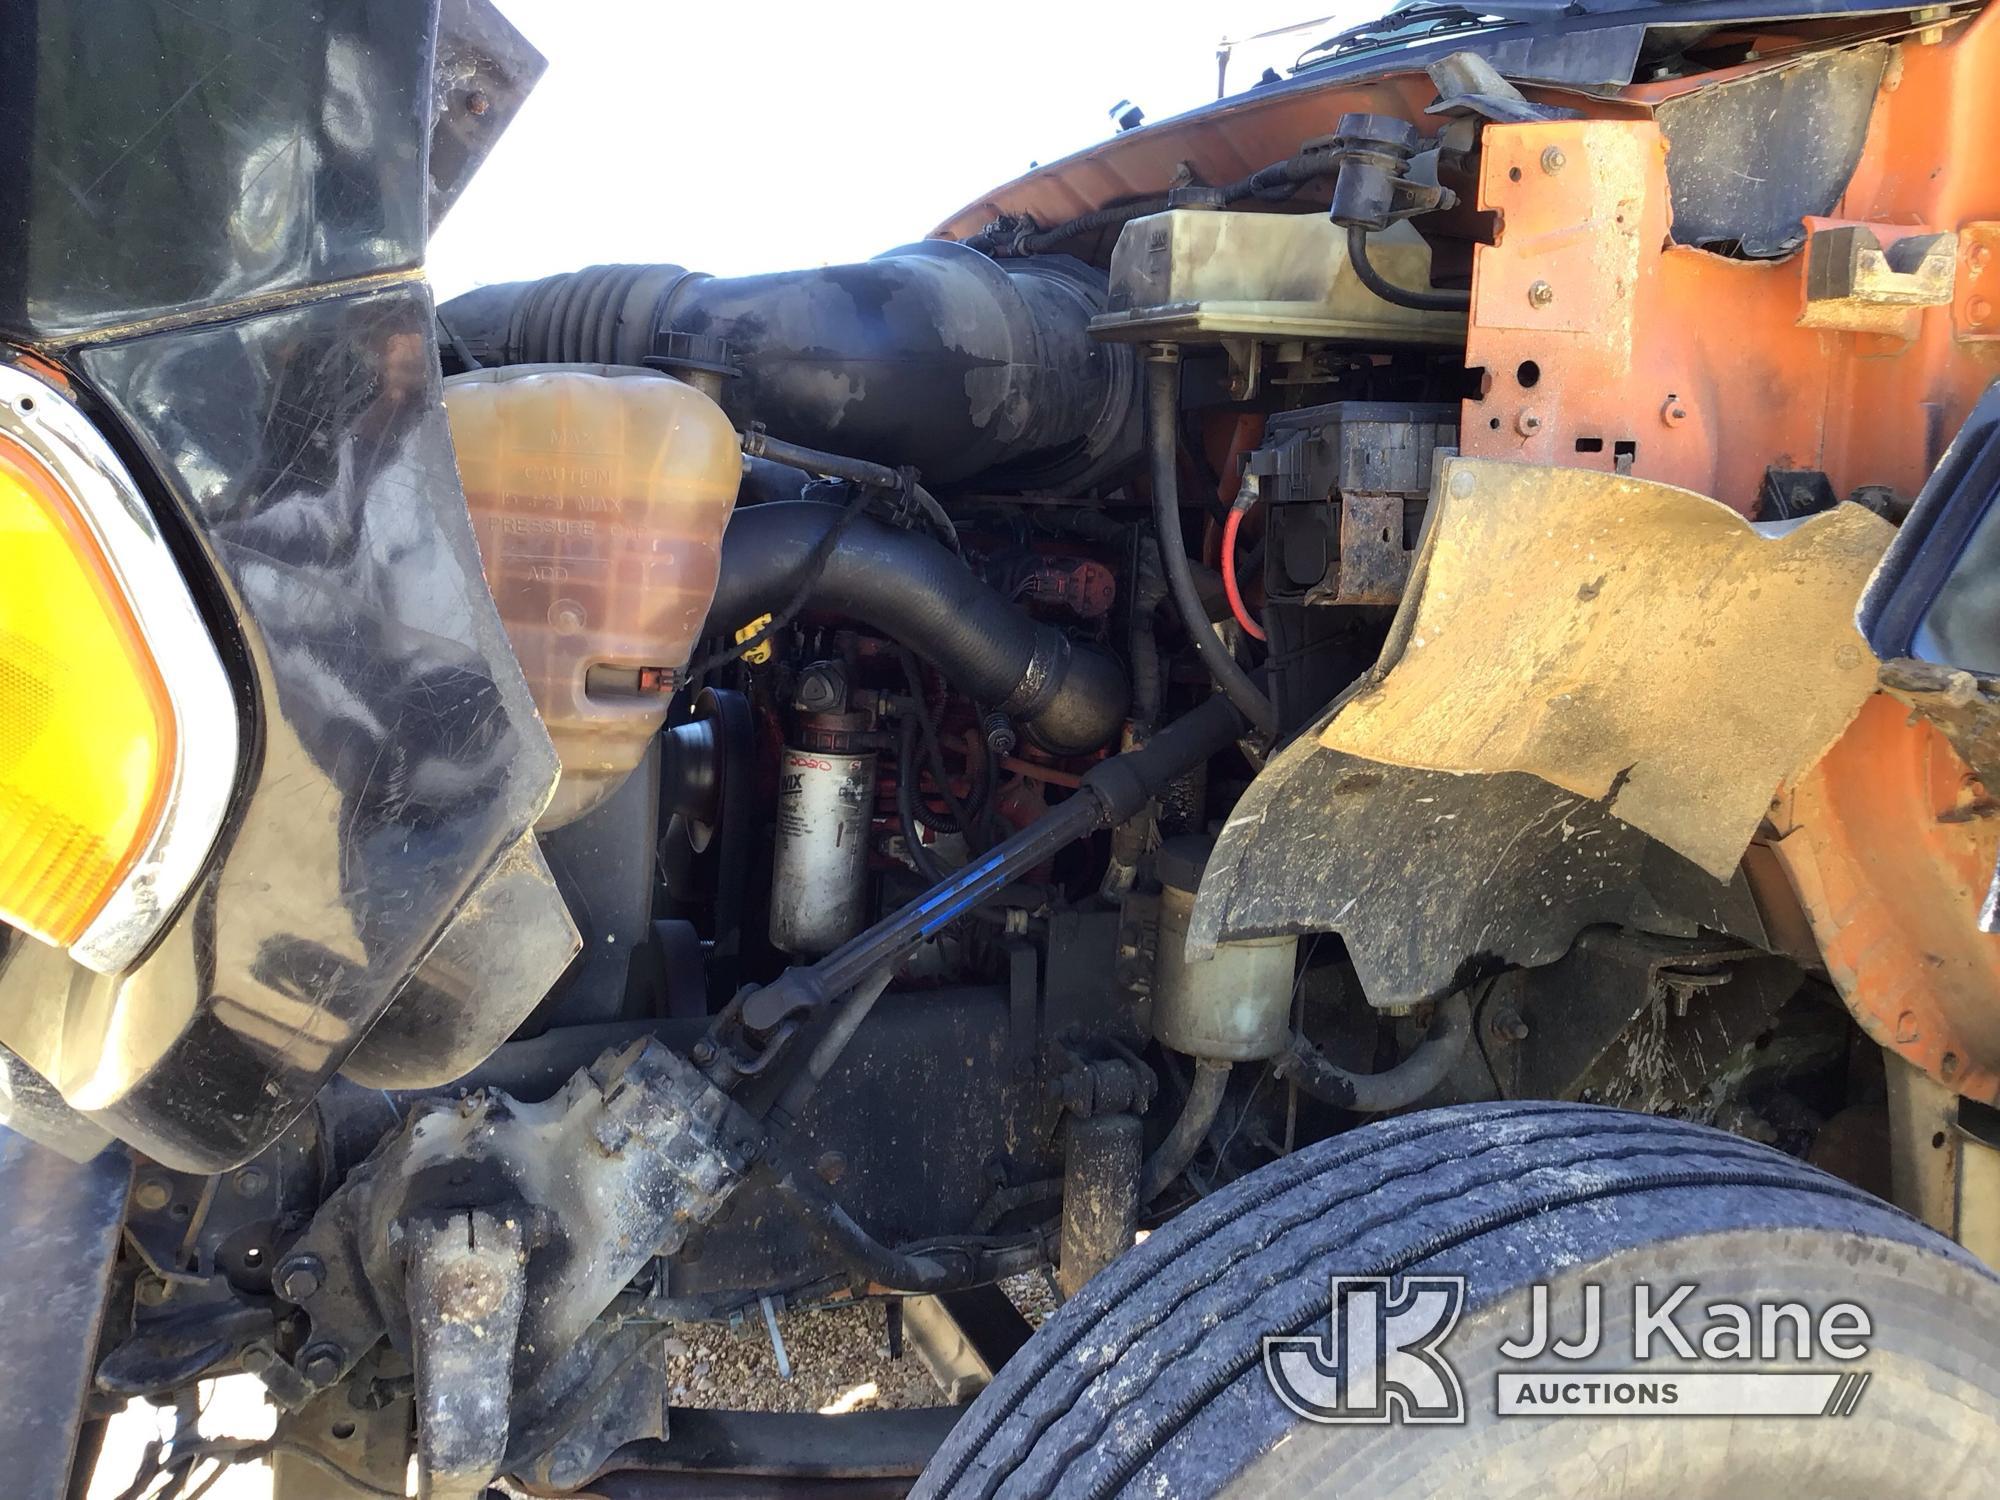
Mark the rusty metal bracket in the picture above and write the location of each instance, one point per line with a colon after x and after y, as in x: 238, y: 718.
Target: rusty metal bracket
x: 1865, y: 278
x: 488, y: 1225
x: 1102, y: 1157
x: 1605, y: 1020
x: 1975, y: 306
x: 1374, y: 563
x: 963, y: 1338
x: 467, y: 1288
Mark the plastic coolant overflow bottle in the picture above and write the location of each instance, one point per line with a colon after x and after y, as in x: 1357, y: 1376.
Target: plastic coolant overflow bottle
x: 598, y: 495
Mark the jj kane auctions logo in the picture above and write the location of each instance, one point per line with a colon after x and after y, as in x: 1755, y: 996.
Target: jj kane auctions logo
x: 1381, y: 1357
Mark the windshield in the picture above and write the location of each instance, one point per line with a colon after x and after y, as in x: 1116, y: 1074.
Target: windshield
x: 1415, y: 21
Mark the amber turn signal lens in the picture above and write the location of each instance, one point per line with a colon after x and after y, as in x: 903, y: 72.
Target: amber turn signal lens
x: 86, y: 724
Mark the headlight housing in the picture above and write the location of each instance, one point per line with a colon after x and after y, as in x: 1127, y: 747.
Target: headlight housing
x: 118, y: 729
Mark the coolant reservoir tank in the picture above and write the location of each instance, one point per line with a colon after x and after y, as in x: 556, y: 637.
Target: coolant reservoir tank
x: 598, y: 494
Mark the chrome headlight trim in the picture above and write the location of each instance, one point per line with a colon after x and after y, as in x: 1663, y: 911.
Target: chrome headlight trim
x: 207, y: 731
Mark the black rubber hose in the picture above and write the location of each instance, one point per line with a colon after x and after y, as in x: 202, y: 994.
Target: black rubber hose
x: 1082, y: 224
x: 1282, y: 178
x: 960, y: 817
x: 1070, y: 699
x: 931, y: 354
x: 928, y: 1266
x: 1407, y: 1082
x: 1162, y: 417
x: 1388, y: 291
x: 865, y: 1255
x: 928, y: 865
x: 799, y: 593
x: 1007, y: 1200
x: 467, y: 360
x: 765, y: 483
x: 1204, y: 1102
x: 919, y: 811
x: 761, y: 445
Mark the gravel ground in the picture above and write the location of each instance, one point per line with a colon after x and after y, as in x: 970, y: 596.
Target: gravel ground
x: 840, y: 1362
x: 839, y: 1356
x: 1034, y: 1294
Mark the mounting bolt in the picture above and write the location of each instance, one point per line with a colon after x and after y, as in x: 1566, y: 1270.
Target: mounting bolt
x: 299, y: 1277
x: 476, y: 102
x: 1978, y: 256
x: 831, y: 1166
x: 1541, y: 294
x: 999, y: 731
x: 152, y: 1195
x: 1508, y: 1025
x: 1527, y: 423
x: 321, y: 1363
x: 249, y: 1182
x: 1552, y: 160
x: 703, y: 1051
x: 1674, y: 412
x: 1979, y: 310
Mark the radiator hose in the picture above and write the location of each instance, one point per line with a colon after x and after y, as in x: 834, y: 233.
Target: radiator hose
x: 1069, y: 698
x: 1204, y: 1103
x: 1406, y: 1083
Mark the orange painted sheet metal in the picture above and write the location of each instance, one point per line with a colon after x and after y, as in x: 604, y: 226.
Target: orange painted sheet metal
x: 1230, y: 139
x: 1220, y: 146
x: 1890, y: 843
x: 1605, y: 345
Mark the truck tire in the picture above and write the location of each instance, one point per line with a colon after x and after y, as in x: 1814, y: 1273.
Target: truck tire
x: 1150, y: 1382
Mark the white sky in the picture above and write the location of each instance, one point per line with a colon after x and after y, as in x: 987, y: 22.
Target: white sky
x: 738, y: 137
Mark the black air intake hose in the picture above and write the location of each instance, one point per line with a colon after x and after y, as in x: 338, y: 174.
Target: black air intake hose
x: 931, y: 355
x: 1070, y: 698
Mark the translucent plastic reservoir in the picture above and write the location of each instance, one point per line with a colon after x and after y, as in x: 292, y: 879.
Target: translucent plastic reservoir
x: 598, y: 495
